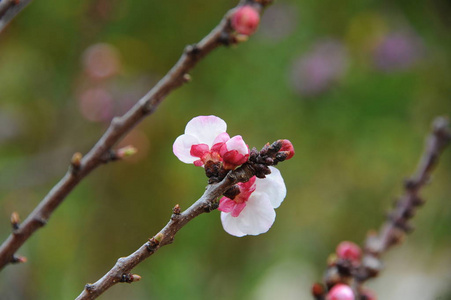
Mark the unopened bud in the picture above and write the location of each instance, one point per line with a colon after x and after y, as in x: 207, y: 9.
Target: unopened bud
x: 18, y: 259
x: 15, y: 220
x: 126, y: 151
x: 76, y: 160
x: 349, y: 251
x: 159, y: 237
x: 136, y: 277
x: 287, y: 147
x: 187, y: 77
x: 317, y: 290
x: 245, y: 20
x: 340, y: 292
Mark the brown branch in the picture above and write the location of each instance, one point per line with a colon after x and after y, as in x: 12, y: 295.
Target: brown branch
x: 221, y: 35
x: 256, y: 166
x: 9, y: 9
x: 397, y: 225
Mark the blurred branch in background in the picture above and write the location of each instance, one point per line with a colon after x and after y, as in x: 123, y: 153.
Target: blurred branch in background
x: 223, y: 34
x: 9, y: 9
x: 349, y: 268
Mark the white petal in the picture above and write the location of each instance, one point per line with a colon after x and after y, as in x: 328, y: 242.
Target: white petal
x: 258, y: 215
x: 206, y: 128
x: 182, y: 148
x: 273, y: 186
x: 230, y: 224
x: 237, y: 143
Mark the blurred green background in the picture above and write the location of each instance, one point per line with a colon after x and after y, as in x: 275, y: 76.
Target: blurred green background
x: 353, y: 84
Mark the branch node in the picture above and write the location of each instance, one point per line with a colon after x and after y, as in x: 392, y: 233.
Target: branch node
x: 211, y: 206
x: 40, y: 221
x: 89, y: 287
x: 192, y: 50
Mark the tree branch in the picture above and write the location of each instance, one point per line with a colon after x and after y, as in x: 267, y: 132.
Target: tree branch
x: 256, y: 166
x: 222, y: 34
x: 397, y: 225
x: 9, y: 9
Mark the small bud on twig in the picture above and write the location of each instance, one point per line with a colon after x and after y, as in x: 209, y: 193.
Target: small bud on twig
x: 15, y: 220
x: 318, y: 291
x: 186, y: 78
x: 18, y: 259
x: 245, y: 20
x: 126, y: 152
x: 176, y: 209
x: 129, y: 277
x: 154, y: 242
x: 76, y: 161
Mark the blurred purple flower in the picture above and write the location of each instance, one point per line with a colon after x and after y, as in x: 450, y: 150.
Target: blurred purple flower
x: 398, y: 51
x: 316, y: 71
x: 96, y: 105
x: 101, y: 61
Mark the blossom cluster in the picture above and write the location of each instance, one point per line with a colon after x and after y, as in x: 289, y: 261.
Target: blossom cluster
x: 347, y: 256
x: 249, y: 210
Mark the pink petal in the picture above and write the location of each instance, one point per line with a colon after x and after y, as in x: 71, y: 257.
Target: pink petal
x: 206, y: 128
x: 222, y: 138
x: 199, y: 150
x: 182, y: 148
x: 226, y: 204
x: 236, y: 143
x: 234, y: 158
x: 238, y: 209
x: 230, y: 225
x: 273, y: 186
x: 247, y: 188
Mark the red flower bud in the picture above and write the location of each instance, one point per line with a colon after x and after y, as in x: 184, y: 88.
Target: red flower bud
x: 350, y: 251
x: 287, y: 147
x: 340, y: 292
x: 245, y: 20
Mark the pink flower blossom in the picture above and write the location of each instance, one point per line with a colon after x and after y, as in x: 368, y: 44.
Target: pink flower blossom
x: 350, y: 251
x: 252, y: 212
x: 245, y: 20
x: 206, y: 139
x: 340, y: 292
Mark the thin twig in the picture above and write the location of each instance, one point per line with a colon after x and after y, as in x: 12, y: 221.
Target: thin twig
x: 397, y: 224
x: 124, y: 265
x: 257, y: 165
x: 221, y: 35
x: 9, y: 9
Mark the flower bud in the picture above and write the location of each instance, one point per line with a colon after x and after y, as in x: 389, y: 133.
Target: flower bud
x: 126, y: 151
x: 245, y: 20
x: 350, y: 251
x: 317, y: 290
x: 340, y: 292
x: 288, y: 148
